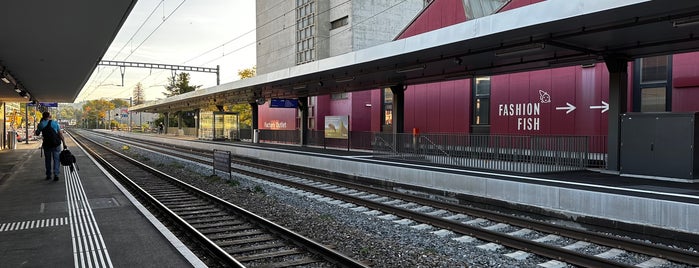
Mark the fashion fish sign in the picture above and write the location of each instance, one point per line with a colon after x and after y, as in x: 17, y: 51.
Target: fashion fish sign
x: 527, y: 114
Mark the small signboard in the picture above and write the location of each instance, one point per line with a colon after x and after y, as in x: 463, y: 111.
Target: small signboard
x: 44, y: 104
x: 222, y: 162
x: 337, y: 127
x: 284, y: 103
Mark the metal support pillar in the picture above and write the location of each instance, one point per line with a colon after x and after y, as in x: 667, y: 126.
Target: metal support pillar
x: 255, y: 115
x: 618, y: 99
x: 253, y: 125
x: 167, y: 123
x: 303, y: 128
x: 197, y: 117
x: 398, y: 110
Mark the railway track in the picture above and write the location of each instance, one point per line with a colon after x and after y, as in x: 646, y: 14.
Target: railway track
x: 229, y: 235
x: 558, y: 243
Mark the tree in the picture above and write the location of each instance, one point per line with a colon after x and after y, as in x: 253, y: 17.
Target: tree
x: 67, y: 113
x: 120, y: 102
x: 244, y: 111
x: 179, y: 85
x: 139, y: 94
x: 248, y: 72
x: 96, y: 110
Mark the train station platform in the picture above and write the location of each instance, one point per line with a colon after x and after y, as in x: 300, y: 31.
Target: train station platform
x: 636, y: 204
x: 84, y: 219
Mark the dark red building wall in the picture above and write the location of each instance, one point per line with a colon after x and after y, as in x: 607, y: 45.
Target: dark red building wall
x: 360, y: 116
x: 439, y: 14
x: 518, y: 3
x: 442, y: 107
x: 321, y: 109
x: 355, y: 106
x: 537, y: 102
x: 685, y: 82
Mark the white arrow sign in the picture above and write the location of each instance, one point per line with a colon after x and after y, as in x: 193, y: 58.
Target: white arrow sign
x: 569, y: 107
x: 604, y: 107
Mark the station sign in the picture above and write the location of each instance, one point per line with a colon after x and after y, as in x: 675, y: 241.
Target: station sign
x: 284, y: 103
x: 44, y: 104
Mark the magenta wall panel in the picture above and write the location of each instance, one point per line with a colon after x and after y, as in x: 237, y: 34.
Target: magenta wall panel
x: 438, y: 107
x: 376, y: 104
x: 445, y: 109
x: 439, y: 14
x: 519, y: 3
x: 322, y: 108
x: 541, y: 102
x: 360, y: 115
x: 685, y: 77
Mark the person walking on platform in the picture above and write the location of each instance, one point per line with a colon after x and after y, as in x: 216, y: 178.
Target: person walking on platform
x: 52, y: 140
x: 160, y: 128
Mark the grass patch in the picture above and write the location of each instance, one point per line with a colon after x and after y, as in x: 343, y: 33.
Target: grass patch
x: 141, y: 157
x: 177, y: 165
x: 326, y: 217
x: 364, y: 250
x: 258, y: 189
x: 233, y: 183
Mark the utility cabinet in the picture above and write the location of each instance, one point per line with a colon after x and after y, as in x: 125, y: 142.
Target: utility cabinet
x: 659, y: 145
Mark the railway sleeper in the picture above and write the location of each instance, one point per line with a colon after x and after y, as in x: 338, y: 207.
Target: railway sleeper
x: 198, y: 212
x: 257, y: 239
x: 192, y: 208
x: 258, y: 247
x: 217, y: 219
x: 218, y: 223
x: 268, y: 255
x: 226, y: 229
x: 208, y: 215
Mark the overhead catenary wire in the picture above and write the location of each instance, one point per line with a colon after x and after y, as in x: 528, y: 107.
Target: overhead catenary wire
x: 238, y: 37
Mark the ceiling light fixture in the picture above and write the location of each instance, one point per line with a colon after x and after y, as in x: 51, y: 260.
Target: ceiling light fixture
x: 411, y: 69
x: 297, y: 87
x: 343, y: 80
x: 685, y: 22
x: 519, y: 49
x: 17, y: 89
x: 4, y: 79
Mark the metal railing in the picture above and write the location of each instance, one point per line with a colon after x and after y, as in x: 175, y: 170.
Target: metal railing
x: 523, y: 154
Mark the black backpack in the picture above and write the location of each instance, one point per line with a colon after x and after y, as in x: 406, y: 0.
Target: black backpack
x: 51, y: 139
x: 68, y: 159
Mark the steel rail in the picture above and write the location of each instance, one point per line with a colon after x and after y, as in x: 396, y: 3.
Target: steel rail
x: 222, y: 256
x: 673, y: 254
x: 328, y: 254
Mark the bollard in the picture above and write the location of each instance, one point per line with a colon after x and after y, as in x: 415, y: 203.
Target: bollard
x: 256, y: 136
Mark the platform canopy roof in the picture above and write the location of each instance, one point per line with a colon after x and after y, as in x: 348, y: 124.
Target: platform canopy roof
x: 553, y: 33
x: 50, y: 48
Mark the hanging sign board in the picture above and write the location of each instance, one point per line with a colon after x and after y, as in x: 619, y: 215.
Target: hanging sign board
x: 284, y: 103
x: 44, y: 104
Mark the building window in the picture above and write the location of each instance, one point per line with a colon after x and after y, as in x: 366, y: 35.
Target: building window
x: 387, y: 108
x: 305, y: 25
x: 652, y: 89
x: 338, y: 23
x: 481, y: 101
x: 339, y: 96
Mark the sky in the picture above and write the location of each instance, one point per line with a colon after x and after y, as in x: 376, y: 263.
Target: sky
x: 202, y: 33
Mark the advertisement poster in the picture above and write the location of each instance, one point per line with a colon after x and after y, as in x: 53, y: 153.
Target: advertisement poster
x: 337, y: 127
